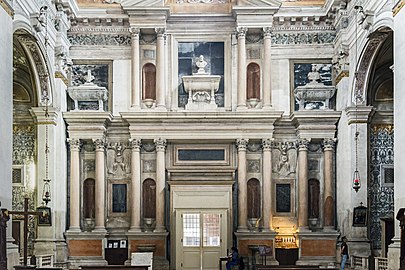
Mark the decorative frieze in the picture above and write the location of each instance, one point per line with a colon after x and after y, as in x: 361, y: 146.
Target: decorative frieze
x: 303, y: 38
x: 99, y: 39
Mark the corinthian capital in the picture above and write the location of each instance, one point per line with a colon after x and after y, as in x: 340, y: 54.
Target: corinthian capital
x: 328, y: 144
x: 134, y: 32
x: 303, y: 144
x: 160, y: 144
x: 267, y: 144
x: 241, y: 32
x: 241, y: 144
x: 160, y: 32
x: 99, y: 144
x: 267, y: 32
x: 74, y: 144
x: 135, y: 144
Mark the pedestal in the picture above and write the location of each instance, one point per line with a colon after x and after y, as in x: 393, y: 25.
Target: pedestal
x: 249, y: 243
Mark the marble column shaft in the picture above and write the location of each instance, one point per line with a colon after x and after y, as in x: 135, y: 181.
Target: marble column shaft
x: 267, y: 188
x: 242, y: 186
x: 160, y: 184
x: 303, y: 183
x: 135, y: 185
x: 135, y: 69
x: 267, y: 68
x: 328, y: 203
x: 74, y: 184
x: 99, y: 185
x: 160, y: 68
x: 241, y: 94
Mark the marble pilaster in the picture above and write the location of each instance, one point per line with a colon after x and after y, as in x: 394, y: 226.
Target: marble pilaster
x: 328, y: 204
x: 135, y: 185
x: 242, y: 187
x: 267, y: 187
x: 100, y: 186
x: 135, y: 69
x: 267, y: 68
x: 160, y: 184
x: 160, y: 68
x: 303, y: 183
x: 241, y: 94
x: 74, y: 185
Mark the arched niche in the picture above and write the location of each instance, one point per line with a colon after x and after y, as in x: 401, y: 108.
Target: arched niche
x: 313, y: 198
x: 253, y: 81
x: 149, y: 82
x: 149, y: 198
x: 89, y: 198
x: 253, y: 198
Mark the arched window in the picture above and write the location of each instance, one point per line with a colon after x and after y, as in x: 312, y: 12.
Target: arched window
x: 89, y: 198
x: 253, y: 81
x: 149, y: 198
x: 313, y: 198
x: 149, y: 81
x: 253, y: 198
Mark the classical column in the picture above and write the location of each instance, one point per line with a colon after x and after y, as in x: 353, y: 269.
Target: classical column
x: 242, y: 188
x: 267, y: 68
x: 160, y: 184
x: 303, y: 183
x: 135, y: 83
x: 160, y: 68
x: 241, y: 94
x: 135, y: 185
x: 328, y: 204
x: 267, y: 188
x: 100, y: 185
x: 74, y: 184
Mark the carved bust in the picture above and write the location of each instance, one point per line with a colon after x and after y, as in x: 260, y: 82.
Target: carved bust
x: 314, y: 76
x: 201, y: 64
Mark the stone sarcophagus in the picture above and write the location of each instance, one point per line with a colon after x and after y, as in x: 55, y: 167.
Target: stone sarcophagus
x: 314, y: 95
x: 89, y: 93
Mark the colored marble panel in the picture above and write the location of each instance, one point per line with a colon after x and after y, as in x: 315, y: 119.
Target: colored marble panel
x: 318, y: 247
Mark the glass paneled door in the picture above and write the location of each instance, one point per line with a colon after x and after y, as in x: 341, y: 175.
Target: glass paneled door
x: 201, y: 239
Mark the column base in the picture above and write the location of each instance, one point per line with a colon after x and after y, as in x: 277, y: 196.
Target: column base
x: 74, y: 229
x: 267, y: 107
x: 161, y: 108
x: 242, y: 229
x: 135, y: 229
x: 99, y: 230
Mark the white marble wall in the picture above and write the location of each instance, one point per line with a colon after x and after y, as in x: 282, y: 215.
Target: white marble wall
x: 6, y: 134
x: 399, y: 140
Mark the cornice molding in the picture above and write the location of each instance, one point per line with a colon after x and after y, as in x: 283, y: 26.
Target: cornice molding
x: 7, y: 8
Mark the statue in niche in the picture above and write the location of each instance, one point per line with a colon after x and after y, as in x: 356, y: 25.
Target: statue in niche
x: 118, y: 160
x: 284, y: 163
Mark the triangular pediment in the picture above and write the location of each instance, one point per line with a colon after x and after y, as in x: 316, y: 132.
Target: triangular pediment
x: 259, y: 3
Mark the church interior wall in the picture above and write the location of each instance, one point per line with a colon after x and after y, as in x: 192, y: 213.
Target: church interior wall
x: 183, y: 128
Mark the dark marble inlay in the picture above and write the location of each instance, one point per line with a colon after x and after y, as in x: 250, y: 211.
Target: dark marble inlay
x: 201, y: 154
x: 119, y: 198
x: 283, y: 198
